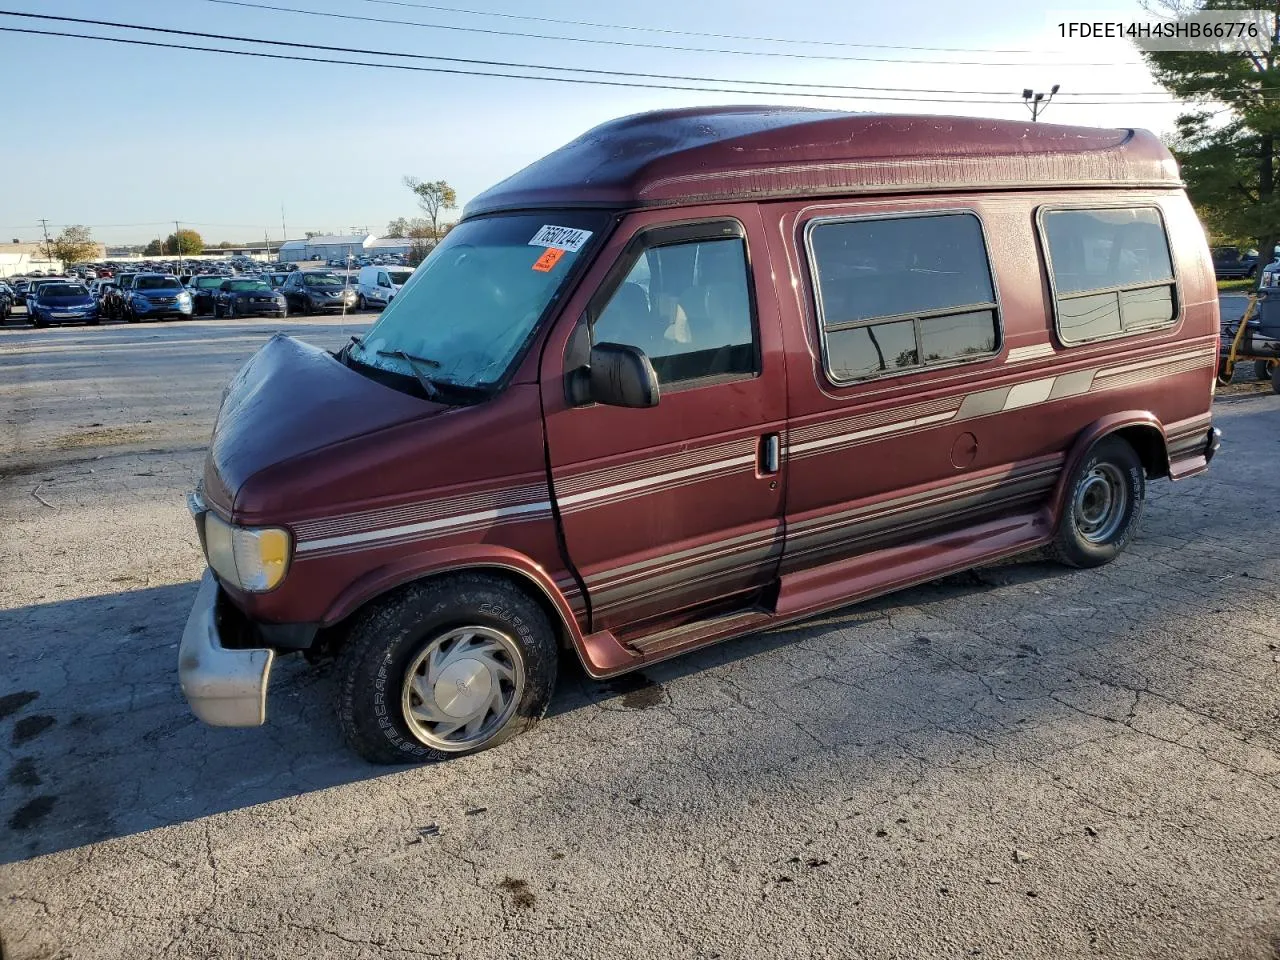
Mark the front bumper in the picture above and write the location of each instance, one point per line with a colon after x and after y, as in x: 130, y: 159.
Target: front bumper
x: 225, y: 687
x: 162, y: 310
x: 249, y: 308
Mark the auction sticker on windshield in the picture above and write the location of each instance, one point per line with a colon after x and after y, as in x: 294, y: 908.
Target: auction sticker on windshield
x: 565, y: 238
x: 548, y: 260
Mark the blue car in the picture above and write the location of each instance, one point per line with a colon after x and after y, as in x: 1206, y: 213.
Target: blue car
x: 62, y: 303
x: 154, y: 296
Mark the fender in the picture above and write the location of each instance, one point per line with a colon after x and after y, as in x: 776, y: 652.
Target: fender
x: 599, y: 652
x: 1144, y: 420
x: 379, y: 580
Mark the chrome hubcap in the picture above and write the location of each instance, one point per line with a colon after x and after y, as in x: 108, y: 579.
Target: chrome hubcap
x: 462, y: 688
x: 1100, y: 503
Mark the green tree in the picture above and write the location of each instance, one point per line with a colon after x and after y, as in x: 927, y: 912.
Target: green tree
x: 75, y: 245
x: 1227, y: 144
x: 184, y: 242
x: 435, y: 197
x: 399, y: 227
x: 153, y: 249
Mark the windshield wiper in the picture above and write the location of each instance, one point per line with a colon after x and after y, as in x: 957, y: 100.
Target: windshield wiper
x: 413, y: 361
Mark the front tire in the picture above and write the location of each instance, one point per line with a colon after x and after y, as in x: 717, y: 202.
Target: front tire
x: 445, y: 668
x: 1103, y: 505
x: 1262, y: 369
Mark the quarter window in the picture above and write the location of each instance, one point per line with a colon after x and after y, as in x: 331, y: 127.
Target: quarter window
x: 898, y: 294
x: 688, y: 307
x: 1111, y: 270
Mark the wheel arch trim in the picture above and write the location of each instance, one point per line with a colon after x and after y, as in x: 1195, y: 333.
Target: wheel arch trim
x: 1127, y: 423
x: 511, y: 563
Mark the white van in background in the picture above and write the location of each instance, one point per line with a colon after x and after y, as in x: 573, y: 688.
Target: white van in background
x: 378, y: 285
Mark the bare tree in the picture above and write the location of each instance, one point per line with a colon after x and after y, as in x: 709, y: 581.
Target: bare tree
x: 434, y: 197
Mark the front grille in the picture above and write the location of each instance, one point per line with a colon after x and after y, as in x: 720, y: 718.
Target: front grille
x: 163, y: 301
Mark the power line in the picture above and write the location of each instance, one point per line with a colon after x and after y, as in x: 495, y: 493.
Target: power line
x: 636, y: 43
x: 668, y: 31
x: 258, y: 54
x: 536, y: 66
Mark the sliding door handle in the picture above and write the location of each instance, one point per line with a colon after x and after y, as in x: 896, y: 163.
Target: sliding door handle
x: 770, y: 452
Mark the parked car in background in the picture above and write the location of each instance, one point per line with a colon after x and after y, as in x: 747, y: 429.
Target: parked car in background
x: 115, y: 297
x: 377, y: 286
x: 276, y: 279
x: 203, y: 290
x: 20, y: 287
x: 249, y: 297
x: 1232, y: 263
x: 312, y: 292
x: 154, y: 296
x: 7, y: 298
x: 62, y: 301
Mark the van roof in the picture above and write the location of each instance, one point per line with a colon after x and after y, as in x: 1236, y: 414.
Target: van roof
x: 674, y: 157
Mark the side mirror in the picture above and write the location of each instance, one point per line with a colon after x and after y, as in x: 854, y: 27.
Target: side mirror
x: 618, y: 375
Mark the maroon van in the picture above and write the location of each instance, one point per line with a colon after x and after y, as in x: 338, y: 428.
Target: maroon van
x: 696, y: 374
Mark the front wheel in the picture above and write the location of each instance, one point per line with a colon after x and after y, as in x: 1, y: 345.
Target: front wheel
x: 1262, y: 369
x: 1104, y: 499
x: 444, y: 668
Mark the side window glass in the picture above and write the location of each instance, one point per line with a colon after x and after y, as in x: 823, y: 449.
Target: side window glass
x: 1111, y: 271
x: 688, y: 307
x: 896, y: 294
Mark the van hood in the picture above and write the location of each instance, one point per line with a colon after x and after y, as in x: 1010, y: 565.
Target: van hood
x: 292, y: 399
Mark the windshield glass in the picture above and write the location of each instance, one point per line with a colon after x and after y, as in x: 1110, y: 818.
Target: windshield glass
x: 321, y: 280
x: 473, y: 304
x: 400, y: 277
x: 210, y: 282
x: 249, y: 285
x: 157, y: 283
x: 63, y: 290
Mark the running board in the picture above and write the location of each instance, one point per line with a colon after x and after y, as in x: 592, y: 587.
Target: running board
x: 884, y: 571
x: 840, y: 583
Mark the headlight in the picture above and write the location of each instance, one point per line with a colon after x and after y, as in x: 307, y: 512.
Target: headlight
x: 184, y: 297
x: 251, y: 558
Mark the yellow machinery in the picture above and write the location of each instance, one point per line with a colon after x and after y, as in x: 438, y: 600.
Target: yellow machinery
x: 1256, y: 338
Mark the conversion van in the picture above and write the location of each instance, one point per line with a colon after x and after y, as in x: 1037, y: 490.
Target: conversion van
x: 696, y: 374
x: 378, y: 284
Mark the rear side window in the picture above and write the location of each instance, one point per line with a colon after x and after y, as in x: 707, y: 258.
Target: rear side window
x: 898, y: 294
x: 1111, y: 272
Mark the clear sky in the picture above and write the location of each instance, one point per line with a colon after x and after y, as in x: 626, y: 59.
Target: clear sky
x: 142, y: 137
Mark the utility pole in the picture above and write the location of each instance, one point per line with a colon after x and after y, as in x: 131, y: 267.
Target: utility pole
x: 284, y: 231
x: 48, y: 251
x: 1036, y: 102
x: 177, y: 242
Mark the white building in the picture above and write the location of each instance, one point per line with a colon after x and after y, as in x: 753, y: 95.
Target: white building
x: 340, y: 247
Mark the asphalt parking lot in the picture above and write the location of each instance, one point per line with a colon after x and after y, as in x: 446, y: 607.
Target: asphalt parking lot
x: 1024, y: 761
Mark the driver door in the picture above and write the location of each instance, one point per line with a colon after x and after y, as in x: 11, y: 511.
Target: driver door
x: 675, y: 509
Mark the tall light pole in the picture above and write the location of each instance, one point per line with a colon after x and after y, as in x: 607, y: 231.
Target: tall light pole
x: 1036, y: 102
x: 48, y: 250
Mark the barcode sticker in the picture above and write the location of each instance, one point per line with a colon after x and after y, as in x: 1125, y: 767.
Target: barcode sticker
x: 564, y: 238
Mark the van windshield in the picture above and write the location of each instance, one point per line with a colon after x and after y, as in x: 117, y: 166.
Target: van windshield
x: 468, y: 311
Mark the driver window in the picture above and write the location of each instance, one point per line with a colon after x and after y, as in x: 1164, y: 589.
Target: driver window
x: 688, y: 307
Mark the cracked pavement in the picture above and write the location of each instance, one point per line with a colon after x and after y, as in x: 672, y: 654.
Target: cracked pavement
x: 1023, y: 761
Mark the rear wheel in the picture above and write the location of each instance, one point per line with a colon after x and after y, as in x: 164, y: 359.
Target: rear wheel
x: 444, y: 668
x: 1262, y: 369
x: 1275, y: 378
x: 1104, y: 499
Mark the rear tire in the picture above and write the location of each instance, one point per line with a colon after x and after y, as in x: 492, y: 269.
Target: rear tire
x: 1103, y: 504
x: 1262, y: 369
x: 1275, y: 378
x: 389, y: 708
